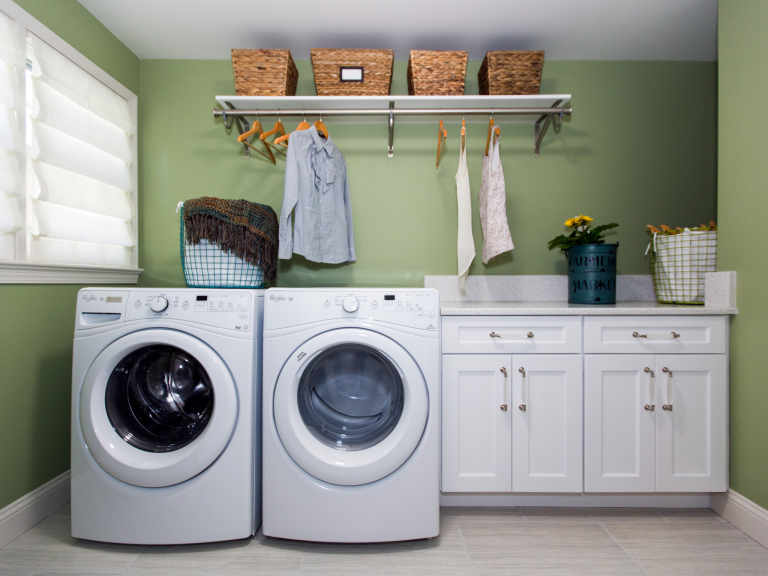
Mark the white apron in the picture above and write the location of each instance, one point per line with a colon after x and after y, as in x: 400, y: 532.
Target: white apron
x: 466, y: 243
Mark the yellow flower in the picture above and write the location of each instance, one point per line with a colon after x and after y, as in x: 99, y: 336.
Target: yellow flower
x: 581, y: 219
x: 570, y: 222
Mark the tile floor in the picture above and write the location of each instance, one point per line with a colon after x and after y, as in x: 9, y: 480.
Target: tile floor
x: 473, y: 541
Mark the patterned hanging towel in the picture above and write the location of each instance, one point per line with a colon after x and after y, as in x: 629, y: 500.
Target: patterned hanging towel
x: 245, y: 229
x: 493, y: 207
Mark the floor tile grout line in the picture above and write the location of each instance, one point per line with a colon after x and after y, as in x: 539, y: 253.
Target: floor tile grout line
x: 134, y: 560
x: 303, y: 557
x: 602, y: 525
x: 466, y: 553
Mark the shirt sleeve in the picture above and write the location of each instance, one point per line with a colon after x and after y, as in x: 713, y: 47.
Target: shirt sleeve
x: 348, y: 209
x: 290, y: 198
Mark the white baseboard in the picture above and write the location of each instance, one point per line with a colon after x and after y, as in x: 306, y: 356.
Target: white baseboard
x: 747, y: 516
x: 20, y: 516
x: 579, y: 500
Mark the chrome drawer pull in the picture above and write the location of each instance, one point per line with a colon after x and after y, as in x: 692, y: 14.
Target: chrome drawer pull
x: 513, y: 336
x: 524, y: 405
x: 504, y: 371
x: 670, y: 336
x: 651, y: 390
x: 670, y: 389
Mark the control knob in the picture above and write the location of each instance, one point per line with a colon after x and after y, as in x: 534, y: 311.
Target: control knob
x: 158, y: 304
x: 350, y: 304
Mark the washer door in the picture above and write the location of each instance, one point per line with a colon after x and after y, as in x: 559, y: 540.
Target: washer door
x: 350, y: 406
x: 157, y: 407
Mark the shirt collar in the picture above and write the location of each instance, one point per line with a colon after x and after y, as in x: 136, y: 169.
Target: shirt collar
x: 321, y: 142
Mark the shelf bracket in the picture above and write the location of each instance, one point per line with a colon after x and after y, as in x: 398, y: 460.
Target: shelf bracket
x: 238, y: 120
x: 391, y: 129
x: 540, y: 129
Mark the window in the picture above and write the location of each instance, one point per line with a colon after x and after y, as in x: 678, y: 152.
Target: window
x: 67, y: 163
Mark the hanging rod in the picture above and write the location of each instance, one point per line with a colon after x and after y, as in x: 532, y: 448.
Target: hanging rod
x: 549, y: 115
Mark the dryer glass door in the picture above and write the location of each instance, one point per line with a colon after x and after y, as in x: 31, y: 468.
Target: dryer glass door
x: 350, y: 397
x: 350, y: 406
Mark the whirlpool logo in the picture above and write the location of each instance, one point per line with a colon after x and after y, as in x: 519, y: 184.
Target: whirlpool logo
x: 276, y: 298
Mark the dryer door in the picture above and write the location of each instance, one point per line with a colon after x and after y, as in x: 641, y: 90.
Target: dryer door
x: 350, y: 406
x: 157, y: 407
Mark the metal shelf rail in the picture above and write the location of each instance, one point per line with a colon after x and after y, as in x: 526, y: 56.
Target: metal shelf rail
x: 546, y: 116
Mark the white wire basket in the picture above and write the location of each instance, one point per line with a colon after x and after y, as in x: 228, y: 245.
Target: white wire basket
x: 679, y: 262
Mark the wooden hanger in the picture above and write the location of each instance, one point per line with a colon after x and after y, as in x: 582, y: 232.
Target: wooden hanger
x: 279, y: 128
x: 321, y: 127
x: 442, y: 134
x: 256, y: 129
x: 303, y: 125
x: 490, y: 131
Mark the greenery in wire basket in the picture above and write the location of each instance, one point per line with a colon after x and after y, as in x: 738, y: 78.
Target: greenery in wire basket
x: 582, y: 233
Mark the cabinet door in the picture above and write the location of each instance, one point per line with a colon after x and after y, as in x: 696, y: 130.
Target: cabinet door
x: 691, y: 416
x: 619, y: 423
x: 547, y: 423
x: 477, y: 436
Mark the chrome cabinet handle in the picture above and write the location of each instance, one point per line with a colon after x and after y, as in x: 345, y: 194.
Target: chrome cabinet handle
x: 670, y: 336
x: 512, y: 336
x: 651, y: 390
x: 524, y: 405
x: 504, y: 371
x: 670, y: 389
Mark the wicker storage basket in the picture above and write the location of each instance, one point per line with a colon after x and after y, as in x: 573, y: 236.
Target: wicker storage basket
x: 511, y: 73
x: 377, y: 71
x: 436, y: 73
x: 264, y: 73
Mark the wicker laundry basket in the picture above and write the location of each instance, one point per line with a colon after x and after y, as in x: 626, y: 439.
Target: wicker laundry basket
x: 264, y: 73
x: 511, y: 73
x: 436, y: 73
x: 376, y: 76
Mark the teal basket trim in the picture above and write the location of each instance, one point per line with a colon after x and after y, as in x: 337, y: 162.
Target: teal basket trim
x: 205, y: 265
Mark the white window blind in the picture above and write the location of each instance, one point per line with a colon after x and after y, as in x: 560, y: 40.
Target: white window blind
x: 68, y: 195
x: 12, y: 61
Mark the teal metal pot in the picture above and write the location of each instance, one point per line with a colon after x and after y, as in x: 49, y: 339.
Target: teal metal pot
x: 592, y: 274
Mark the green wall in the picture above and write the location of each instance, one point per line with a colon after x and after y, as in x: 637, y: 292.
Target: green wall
x: 742, y: 206
x: 37, y: 322
x: 640, y: 148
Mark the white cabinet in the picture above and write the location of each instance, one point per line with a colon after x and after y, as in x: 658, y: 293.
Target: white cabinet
x: 632, y: 404
x: 546, y: 423
x: 512, y: 423
x: 477, y: 427
x: 655, y: 423
x: 691, y: 434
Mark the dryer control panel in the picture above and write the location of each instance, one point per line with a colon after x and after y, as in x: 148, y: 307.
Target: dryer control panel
x: 228, y: 309
x: 415, y: 308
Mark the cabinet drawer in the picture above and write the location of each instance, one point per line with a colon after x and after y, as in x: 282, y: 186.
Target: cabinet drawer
x: 655, y: 334
x: 511, y: 334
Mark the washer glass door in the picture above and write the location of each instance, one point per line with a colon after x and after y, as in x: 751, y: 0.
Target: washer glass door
x: 159, y: 398
x: 157, y: 407
x: 350, y: 406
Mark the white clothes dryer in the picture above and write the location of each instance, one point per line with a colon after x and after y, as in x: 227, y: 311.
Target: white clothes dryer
x: 166, y: 400
x: 351, y: 421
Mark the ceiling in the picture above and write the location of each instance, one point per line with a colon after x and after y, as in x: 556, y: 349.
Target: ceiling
x: 565, y: 29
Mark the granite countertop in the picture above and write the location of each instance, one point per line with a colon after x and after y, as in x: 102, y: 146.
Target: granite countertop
x: 466, y: 308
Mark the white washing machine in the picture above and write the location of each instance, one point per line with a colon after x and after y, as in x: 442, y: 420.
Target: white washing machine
x: 166, y: 398
x: 351, y: 424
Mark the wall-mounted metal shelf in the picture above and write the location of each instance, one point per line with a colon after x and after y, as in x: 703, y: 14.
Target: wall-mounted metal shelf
x: 539, y: 110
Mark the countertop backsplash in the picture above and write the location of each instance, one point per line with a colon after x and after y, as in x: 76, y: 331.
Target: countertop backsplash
x: 502, y: 288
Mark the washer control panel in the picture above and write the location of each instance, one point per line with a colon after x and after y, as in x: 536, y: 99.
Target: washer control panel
x: 416, y: 308
x: 228, y: 309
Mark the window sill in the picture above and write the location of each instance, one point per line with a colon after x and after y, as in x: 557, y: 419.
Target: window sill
x: 38, y: 273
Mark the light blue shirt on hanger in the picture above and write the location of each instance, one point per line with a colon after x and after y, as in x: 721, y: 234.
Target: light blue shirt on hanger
x: 317, y: 192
